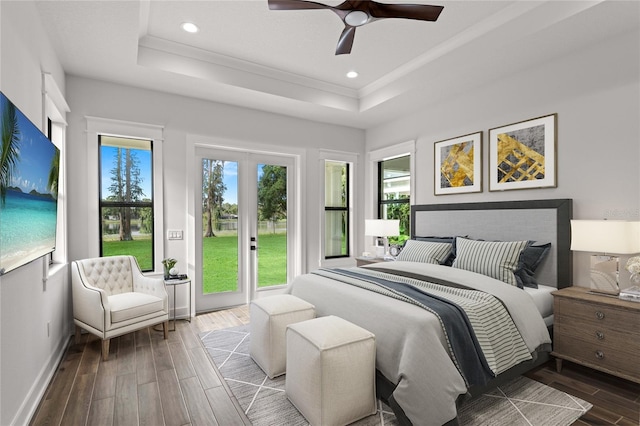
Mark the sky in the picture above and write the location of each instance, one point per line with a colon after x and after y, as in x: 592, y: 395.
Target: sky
x: 108, y: 156
x: 36, y: 152
x: 230, y: 179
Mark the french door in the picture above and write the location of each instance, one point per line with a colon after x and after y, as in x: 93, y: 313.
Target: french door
x: 245, y: 227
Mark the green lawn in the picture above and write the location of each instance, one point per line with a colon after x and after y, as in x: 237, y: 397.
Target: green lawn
x: 220, y: 262
x: 220, y: 259
x: 140, y: 248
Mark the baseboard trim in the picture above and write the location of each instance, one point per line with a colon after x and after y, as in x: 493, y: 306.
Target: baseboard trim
x: 36, y: 393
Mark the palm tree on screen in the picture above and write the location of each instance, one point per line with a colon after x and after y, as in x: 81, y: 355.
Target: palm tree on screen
x: 53, y: 173
x: 10, y: 153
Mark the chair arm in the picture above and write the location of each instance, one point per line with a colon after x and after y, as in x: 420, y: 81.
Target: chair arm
x: 90, y: 304
x: 152, y: 286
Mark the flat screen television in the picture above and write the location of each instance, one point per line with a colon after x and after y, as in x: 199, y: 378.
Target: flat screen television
x: 29, y: 166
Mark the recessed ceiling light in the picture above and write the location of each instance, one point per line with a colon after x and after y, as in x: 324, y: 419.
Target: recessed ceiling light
x: 352, y: 74
x: 190, y: 27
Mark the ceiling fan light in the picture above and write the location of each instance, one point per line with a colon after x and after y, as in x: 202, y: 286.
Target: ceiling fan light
x: 352, y: 74
x: 190, y: 27
x: 356, y: 18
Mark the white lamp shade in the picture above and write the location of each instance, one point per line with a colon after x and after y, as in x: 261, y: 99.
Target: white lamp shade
x: 382, y: 227
x: 605, y: 236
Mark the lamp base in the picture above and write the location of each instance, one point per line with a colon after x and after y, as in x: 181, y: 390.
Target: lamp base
x: 604, y: 275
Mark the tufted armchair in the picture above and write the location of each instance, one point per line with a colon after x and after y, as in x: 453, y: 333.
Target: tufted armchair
x: 111, y: 297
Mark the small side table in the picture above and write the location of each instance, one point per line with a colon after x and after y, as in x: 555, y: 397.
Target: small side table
x: 174, y: 284
x: 361, y: 261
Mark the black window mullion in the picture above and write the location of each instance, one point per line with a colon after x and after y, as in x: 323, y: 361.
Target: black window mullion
x: 346, y: 210
x: 102, y: 203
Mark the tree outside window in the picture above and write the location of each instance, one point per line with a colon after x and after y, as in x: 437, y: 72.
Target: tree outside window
x: 336, y: 210
x: 394, y: 189
x: 126, y: 199
x: 213, y: 189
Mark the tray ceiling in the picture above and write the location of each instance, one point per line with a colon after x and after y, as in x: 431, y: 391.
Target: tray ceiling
x: 284, y: 62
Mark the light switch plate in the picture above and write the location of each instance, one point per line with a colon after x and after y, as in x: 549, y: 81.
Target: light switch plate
x: 174, y: 234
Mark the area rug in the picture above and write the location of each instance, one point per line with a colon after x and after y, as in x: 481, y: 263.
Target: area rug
x: 520, y: 402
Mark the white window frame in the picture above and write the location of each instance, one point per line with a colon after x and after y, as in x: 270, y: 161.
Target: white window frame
x: 388, y: 153
x: 55, y: 108
x: 103, y: 126
x: 352, y: 159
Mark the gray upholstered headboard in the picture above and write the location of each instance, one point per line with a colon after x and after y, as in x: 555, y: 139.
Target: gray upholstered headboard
x: 537, y: 220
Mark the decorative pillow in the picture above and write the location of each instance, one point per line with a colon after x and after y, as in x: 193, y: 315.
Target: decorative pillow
x: 530, y: 259
x: 451, y: 240
x: 425, y: 252
x: 496, y: 259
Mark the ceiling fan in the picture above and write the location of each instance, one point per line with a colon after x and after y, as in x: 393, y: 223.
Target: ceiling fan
x: 356, y: 13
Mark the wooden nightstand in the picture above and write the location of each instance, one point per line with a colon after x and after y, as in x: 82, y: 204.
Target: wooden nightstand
x: 597, y: 331
x: 361, y: 261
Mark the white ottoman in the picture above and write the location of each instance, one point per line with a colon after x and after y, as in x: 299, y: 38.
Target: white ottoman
x: 331, y: 370
x: 269, y: 319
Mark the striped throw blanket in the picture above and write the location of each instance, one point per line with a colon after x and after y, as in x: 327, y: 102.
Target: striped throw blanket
x: 482, y: 339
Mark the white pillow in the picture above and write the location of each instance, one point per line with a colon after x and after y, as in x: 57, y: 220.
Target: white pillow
x: 496, y: 259
x: 425, y: 252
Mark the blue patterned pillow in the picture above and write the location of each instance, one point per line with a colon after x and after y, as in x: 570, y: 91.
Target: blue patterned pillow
x: 496, y: 259
x: 425, y: 252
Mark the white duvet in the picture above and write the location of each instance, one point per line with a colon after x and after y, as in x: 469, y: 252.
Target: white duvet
x: 411, y: 349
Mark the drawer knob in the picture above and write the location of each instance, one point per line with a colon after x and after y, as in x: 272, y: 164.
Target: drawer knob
x: 600, y: 335
x: 599, y: 354
x: 600, y: 315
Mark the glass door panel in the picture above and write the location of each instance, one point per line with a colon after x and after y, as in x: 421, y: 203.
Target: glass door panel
x: 272, y: 225
x: 244, y: 211
x: 220, y: 272
x: 220, y: 226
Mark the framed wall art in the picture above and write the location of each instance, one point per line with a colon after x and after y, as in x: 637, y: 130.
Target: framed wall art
x: 458, y: 164
x: 523, y: 155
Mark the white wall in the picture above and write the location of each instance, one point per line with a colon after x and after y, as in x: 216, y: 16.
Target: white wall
x: 28, y: 353
x: 596, y: 94
x: 183, y: 118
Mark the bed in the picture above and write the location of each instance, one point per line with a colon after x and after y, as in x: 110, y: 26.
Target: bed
x: 425, y: 365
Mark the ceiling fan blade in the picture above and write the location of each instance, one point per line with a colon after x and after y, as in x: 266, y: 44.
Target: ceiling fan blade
x: 350, y: 5
x: 296, y: 5
x: 346, y: 40
x: 423, y: 12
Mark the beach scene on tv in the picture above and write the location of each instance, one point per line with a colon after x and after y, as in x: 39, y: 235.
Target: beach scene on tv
x: 29, y: 164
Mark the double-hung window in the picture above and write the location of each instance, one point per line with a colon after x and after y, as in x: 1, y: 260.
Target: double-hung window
x: 55, y: 110
x: 394, y: 192
x: 336, y: 209
x: 126, y: 199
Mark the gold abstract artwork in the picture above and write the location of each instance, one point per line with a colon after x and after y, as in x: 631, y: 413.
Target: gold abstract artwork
x: 456, y: 169
x: 517, y: 162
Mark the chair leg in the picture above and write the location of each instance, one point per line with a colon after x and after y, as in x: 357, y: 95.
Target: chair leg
x: 165, y: 329
x: 105, y: 349
x: 78, y: 333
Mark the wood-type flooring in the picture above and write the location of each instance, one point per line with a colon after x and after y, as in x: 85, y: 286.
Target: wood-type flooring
x: 151, y: 381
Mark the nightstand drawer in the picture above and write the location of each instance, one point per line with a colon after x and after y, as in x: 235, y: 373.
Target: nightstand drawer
x: 569, y: 311
x: 599, y: 335
x: 596, y: 355
x: 597, y: 331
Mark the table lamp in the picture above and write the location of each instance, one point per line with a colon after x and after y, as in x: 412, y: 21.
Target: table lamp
x: 604, y: 239
x: 383, y: 228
